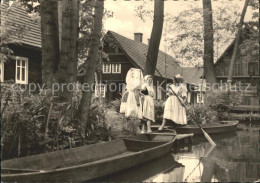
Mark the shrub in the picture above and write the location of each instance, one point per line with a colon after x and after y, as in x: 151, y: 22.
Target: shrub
x: 24, y: 122
x: 216, y: 106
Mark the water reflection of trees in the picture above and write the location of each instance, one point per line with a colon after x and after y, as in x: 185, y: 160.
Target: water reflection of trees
x: 234, y: 159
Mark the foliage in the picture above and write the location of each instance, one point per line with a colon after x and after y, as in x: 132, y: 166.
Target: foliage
x: 24, y: 123
x: 25, y: 117
x: 187, y: 42
x: 254, y: 5
x: 114, y: 104
x: 216, y: 106
x: 201, y: 114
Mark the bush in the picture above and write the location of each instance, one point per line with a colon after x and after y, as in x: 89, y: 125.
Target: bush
x: 24, y: 119
x: 201, y: 114
x: 24, y: 123
x: 216, y: 106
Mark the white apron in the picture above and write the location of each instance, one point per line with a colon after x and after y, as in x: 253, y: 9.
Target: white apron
x: 148, y: 105
x: 173, y: 110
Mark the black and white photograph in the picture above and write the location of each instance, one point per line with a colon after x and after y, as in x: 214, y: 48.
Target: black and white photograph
x: 130, y: 91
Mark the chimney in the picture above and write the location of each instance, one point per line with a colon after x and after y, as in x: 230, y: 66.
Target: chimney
x: 138, y: 37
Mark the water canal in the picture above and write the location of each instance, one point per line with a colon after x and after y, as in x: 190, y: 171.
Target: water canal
x: 236, y: 158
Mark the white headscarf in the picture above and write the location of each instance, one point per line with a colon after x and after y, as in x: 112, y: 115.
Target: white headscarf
x: 133, y: 79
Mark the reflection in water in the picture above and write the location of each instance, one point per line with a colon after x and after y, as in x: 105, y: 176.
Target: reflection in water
x: 143, y: 172
x: 235, y: 158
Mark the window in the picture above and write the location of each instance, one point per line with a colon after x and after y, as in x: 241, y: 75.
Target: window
x: 240, y: 68
x: 255, y: 52
x: 1, y: 71
x: 253, y: 68
x: 21, y: 71
x: 159, y: 93
x: 106, y: 68
x: 100, y: 90
x: 116, y: 68
x: 200, y: 98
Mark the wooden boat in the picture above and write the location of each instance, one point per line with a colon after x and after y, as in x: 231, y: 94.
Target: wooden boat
x: 210, y: 129
x: 223, y: 127
x: 87, y: 162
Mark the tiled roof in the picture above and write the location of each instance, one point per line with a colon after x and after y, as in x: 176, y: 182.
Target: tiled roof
x: 136, y: 51
x: 192, y: 74
x: 16, y: 18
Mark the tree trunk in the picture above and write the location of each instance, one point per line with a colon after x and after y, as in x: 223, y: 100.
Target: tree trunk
x: 209, y: 69
x: 155, y: 38
x: 68, y: 55
x: 50, y: 40
x: 235, y: 50
x: 90, y: 67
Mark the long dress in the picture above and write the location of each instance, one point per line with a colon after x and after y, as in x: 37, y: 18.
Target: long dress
x: 131, y: 104
x: 173, y: 109
x: 148, y: 105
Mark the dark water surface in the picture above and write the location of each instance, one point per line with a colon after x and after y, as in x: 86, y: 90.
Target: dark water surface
x: 235, y: 158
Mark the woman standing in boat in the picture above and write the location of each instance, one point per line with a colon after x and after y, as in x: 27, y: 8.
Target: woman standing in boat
x: 173, y: 109
x: 148, y: 104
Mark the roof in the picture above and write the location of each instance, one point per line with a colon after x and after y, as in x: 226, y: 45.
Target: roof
x: 136, y: 52
x: 192, y: 75
x: 231, y: 45
x: 16, y: 18
x: 248, y: 26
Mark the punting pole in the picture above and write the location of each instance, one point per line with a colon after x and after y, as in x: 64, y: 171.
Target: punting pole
x: 194, y: 119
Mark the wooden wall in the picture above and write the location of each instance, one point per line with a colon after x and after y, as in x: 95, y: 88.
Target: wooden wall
x: 34, y: 61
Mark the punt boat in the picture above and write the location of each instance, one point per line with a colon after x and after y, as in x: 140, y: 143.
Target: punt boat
x: 87, y: 162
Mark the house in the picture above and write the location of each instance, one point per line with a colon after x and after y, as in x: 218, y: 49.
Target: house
x: 125, y: 53
x: 246, y: 69
x: 25, y: 42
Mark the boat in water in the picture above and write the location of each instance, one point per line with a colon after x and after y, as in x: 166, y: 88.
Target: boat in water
x: 213, y: 128
x: 87, y: 162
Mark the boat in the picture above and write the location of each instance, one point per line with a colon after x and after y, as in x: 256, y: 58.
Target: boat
x: 87, y: 162
x: 223, y: 127
x: 209, y: 128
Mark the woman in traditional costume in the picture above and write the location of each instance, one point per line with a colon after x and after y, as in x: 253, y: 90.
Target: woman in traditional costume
x: 131, y: 104
x: 173, y: 109
x: 148, y: 103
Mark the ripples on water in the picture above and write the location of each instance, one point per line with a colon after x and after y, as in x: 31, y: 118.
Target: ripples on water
x: 235, y: 158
